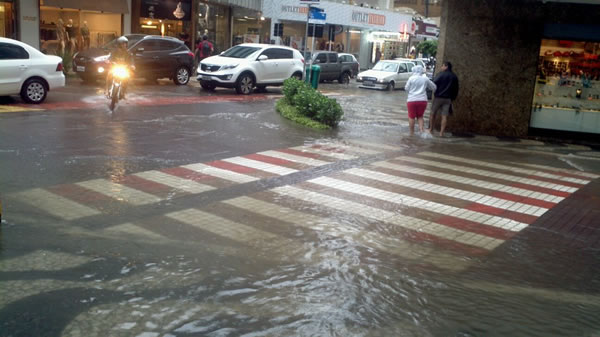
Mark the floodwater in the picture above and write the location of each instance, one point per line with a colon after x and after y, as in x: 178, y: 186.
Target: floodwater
x: 278, y: 256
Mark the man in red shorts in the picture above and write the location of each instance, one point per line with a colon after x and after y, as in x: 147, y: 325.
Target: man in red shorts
x: 416, y: 87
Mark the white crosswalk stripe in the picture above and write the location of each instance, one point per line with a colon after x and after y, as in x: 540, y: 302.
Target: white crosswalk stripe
x: 406, y: 222
x: 379, y: 146
x: 221, y: 173
x: 473, y: 182
x: 491, y: 174
x: 366, y: 238
x: 406, y: 200
x: 295, y: 158
x: 175, y: 182
x: 55, y: 204
x: 505, y: 167
x: 450, y: 192
x: 134, y: 230
x: 119, y: 192
x: 337, y: 155
x: 275, y: 169
x: 221, y: 226
x: 352, y: 149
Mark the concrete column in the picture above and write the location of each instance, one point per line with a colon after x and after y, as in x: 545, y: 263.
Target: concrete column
x: 28, y: 22
x: 127, y: 19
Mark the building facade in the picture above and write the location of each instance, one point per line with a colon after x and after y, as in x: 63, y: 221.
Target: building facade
x: 526, y: 68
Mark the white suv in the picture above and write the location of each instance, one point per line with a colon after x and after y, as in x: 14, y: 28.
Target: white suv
x: 250, y: 65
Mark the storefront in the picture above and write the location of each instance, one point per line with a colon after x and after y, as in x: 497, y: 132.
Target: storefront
x: 166, y: 18
x: 68, y: 26
x: 567, y: 90
x: 7, y: 20
x: 351, y: 29
x: 249, y: 26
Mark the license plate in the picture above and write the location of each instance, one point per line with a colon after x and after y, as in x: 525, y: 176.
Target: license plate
x: 206, y: 78
x: 81, y: 68
x: 369, y: 83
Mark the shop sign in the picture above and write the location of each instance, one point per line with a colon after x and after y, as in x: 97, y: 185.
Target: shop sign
x: 167, y: 9
x: 368, y: 18
x: 294, y: 9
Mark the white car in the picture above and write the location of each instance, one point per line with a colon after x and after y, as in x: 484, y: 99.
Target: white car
x: 386, y: 74
x: 27, y: 72
x: 250, y: 65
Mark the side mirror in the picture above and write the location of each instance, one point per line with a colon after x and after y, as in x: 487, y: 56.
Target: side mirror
x: 222, y: 53
x: 317, y: 61
x: 263, y: 58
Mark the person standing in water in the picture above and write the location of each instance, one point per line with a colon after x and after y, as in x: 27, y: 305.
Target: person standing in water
x: 416, y: 87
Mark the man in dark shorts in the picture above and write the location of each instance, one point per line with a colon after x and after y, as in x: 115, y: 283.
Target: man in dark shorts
x: 446, y: 92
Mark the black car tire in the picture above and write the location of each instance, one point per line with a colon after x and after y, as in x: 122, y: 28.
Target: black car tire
x: 208, y: 86
x: 34, y: 91
x: 297, y: 76
x: 261, y: 88
x: 244, y: 84
x: 182, y: 76
x: 344, y: 78
x: 390, y: 86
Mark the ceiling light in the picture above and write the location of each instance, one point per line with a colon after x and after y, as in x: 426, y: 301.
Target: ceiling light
x: 149, y: 22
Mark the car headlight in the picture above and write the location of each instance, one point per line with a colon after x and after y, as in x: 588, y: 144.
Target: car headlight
x: 381, y: 80
x: 101, y: 58
x: 359, y: 78
x: 229, y: 66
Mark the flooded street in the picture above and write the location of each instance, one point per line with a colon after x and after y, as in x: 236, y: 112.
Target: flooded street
x: 187, y: 214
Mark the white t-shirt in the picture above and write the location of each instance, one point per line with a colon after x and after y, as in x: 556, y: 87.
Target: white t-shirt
x: 417, y: 88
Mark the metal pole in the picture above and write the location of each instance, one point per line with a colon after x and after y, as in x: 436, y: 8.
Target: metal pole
x: 426, y: 8
x: 306, y: 42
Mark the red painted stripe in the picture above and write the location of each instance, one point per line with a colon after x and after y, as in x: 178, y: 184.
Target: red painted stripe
x: 476, y: 207
x: 270, y: 160
x: 80, y: 194
x: 144, y: 185
x: 524, y: 200
x: 232, y: 167
x: 520, y: 217
x: 300, y: 153
x: 185, y: 173
x: 555, y: 181
x: 541, y: 189
x: 475, y: 227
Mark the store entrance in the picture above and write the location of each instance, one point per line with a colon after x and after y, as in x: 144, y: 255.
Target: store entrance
x: 567, y: 89
x: 7, y: 20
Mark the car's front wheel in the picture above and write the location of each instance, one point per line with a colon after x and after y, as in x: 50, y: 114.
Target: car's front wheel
x: 390, y: 86
x: 34, y: 91
x: 182, y: 76
x: 344, y: 78
x: 245, y: 84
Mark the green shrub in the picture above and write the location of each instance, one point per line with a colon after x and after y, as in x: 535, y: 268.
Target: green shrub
x: 287, y: 110
x: 310, y: 103
x: 291, y: 87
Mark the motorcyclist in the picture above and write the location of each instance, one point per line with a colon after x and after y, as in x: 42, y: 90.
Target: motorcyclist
x: 120, y: 55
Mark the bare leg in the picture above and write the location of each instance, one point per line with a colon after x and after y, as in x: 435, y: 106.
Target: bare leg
x: 444, y: 120
x: 411, y: 126
x: 421, y: 124
x: 432, y: 121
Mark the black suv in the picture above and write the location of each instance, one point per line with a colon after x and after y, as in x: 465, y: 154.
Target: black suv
x: 154, y: 57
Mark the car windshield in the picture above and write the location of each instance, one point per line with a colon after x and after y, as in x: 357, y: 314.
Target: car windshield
x: 386, y: 66
x: 240, y: 52
x: 130, y: 42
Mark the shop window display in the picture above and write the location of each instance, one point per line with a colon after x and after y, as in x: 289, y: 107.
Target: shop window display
x: 71, y: 30
x: 213, y: 21
x: 7, y: 20
x: 567, y: 90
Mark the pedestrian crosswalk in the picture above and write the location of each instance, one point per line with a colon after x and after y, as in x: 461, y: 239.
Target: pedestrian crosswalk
x: 440, y: 206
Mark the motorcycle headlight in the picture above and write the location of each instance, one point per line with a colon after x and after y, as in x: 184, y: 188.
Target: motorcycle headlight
x: 101, y: 58
x: 120, y: 72
x: 229, y: 66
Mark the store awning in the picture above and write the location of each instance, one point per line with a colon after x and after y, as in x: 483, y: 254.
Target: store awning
x: 110, y: 6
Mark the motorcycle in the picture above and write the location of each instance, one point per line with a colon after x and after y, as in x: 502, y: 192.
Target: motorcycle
x: 116, y: 91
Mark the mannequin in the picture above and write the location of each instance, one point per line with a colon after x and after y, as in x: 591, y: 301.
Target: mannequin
x: 61, y: 36
x: 71, y: 36
x: 85, y: 33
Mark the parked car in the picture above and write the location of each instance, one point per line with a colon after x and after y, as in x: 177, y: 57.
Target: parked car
x: 352, y: 61
x: 333, y: 67
x: 250, y: 65
x: 154, y: 57
x: 387, y: 74
x: 27, y: 72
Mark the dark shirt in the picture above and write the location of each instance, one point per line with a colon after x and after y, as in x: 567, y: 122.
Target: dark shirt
x: 121, y: 56
x: 447, y: 85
